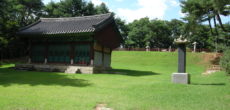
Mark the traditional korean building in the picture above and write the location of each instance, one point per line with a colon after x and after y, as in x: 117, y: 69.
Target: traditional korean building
x: 74, y: 44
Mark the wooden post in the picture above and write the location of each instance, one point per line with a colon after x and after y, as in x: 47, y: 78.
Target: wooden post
x: 46, y: 52
x: 92, y: 54
x: 110, y: 58
x: 72, y: 54
x: 103, y: 56
x: 30, y: 49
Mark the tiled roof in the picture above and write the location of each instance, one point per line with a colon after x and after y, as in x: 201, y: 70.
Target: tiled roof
x: 68, y: 25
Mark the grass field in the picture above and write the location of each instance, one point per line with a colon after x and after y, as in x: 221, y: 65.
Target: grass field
x: 142, y: 82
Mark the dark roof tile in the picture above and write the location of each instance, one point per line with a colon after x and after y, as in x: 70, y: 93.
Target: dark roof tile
x: 67, y: 25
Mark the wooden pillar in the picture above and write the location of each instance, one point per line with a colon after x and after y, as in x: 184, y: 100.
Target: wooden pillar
x: 103, y: 56
x: 30, y: 53
x: 72, y: 54
x: 110, y: 58
x: 92, y: 53
x: 46, y: 52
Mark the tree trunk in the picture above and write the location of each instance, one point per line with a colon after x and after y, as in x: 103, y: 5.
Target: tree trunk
x: 220, y: 22
x: 215, y: 25
x: 210, y: 26
x: 216, y: 32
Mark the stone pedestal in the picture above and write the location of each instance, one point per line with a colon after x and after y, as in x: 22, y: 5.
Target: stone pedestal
x: 181, y: 78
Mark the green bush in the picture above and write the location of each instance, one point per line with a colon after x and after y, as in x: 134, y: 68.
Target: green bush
x: 225, y: 61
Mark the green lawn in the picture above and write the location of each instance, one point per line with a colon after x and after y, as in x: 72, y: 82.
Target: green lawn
x: 142, y: 82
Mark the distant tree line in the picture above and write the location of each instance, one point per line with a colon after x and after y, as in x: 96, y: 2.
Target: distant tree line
x: 161, y: 34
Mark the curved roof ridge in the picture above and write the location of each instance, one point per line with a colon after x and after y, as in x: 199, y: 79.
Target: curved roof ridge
x: 75, y: 18
x: 23, y: 28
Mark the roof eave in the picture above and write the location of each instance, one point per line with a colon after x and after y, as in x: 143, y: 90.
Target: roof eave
x: 103, y: 24
x: 55, y: 34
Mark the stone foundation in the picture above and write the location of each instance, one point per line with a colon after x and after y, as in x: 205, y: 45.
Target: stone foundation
x: 71, y: 69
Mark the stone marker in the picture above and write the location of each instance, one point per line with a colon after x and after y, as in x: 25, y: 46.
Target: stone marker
x: 181, y: 77
x: 147, y: 48
x: 194, y: 46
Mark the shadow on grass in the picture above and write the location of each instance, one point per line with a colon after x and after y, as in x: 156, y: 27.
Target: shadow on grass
x: 209, y: 84
x: 10, y: 76
x: 131, y: 72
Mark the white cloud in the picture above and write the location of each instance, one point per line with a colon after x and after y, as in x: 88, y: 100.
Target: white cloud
x: 96, y: 2
x: 48, y: 1
x: 174, y: 3
x: 147, y: 8
x: 119, y: 0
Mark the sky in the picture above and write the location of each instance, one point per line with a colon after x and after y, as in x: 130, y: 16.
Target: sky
x: 130, y: 10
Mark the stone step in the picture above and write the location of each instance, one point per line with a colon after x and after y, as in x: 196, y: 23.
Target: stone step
x: 214, y: 67
x: 72, y: 70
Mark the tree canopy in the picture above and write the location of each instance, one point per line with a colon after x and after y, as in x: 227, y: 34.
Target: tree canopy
x: 72, y: 8
x: 199, y: 11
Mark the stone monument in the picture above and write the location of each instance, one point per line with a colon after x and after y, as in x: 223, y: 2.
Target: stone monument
x: 181, y: 76
x: 147, y: 48
x: 194, y: 46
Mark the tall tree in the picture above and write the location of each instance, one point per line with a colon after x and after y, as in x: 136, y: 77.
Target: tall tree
x: 90, y: 9
x: 72, y: 8
x: 199, y: 11
x: 52, y: 9
x: 15, y: 14
x: 205, y: 10
x: 102, y: 8
x: 28, y: 11
x: 221, y: 7
x: 138, y: 35
x: 161, y: 34
x: 177, y: 27
x: 123, y: 28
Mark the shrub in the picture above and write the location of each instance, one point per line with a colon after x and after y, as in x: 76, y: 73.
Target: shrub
x: 225, y: 61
